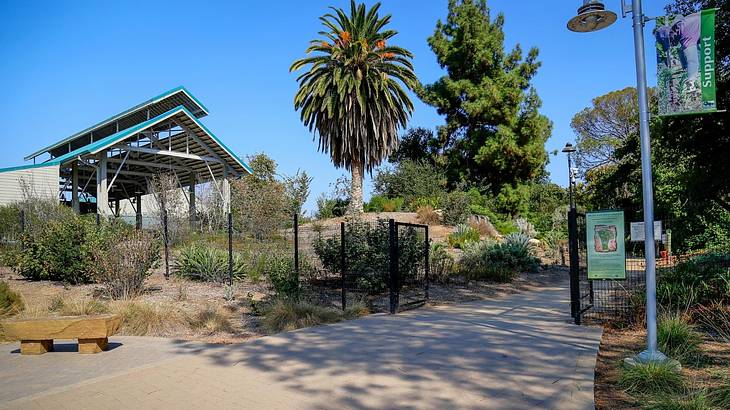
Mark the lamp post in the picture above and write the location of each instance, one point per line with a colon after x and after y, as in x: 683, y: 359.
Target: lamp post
x: 569, y: 150
x: 592, y: 16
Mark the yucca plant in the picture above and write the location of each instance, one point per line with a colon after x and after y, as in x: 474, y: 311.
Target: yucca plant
x: 354, y: 92
x: 201, y: 262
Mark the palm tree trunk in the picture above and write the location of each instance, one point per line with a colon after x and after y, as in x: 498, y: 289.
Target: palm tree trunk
x: 356, y: 203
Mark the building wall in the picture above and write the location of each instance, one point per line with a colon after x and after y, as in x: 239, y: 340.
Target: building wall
x: 42, y: 182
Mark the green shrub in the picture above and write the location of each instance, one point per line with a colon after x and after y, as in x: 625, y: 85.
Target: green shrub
x: 677, y: 338
x: 367, y: 253
x: 380, y: 203
x: 553, y: 242
x: 503, y: 224
x: 331, y: 207
x: 290, y: 315
x: 651, y: 378
x: 409, y: 180
x: 462, y: 235
x: 64, y: 250
x: 432, y: 201
x: 456, y: 208
x: 11, y: 303
x: 701, y: 280
x: 500, y: 262
x: 278, y: 268
x: 441, y: 263
x: 202, y: 262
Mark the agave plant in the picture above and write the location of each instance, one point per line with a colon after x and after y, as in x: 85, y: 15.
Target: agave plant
x: 353, y: 94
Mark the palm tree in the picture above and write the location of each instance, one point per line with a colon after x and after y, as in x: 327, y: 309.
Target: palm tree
x: 352, y: 94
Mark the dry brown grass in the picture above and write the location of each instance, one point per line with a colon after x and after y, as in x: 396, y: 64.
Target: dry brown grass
x: 211, y: 321
x: 427, y: 215
x: 146, y: 319
x: 484, y: 227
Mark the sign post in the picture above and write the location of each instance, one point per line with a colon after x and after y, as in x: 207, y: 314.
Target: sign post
x: 605, y: 243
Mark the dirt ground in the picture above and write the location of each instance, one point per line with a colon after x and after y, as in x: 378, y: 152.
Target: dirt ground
x: 618, y: 344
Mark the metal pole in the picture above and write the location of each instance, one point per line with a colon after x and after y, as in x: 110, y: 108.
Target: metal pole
x: 427, y: 268
x: 230, y: 249
x: 651, y: 353
x: 343, y: 266
x: 574, y: 260
x: 166, y: 239
x: 571, y: 181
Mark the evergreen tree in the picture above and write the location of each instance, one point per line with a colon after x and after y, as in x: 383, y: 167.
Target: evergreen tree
x: 494, y: 136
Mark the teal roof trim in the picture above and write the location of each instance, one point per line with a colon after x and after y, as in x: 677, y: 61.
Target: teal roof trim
x: 224, y: 146
x: 30, y: 166
x: 120, y: 115
x: 97, y: 146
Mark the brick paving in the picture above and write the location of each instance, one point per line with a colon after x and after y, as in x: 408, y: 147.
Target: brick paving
x: 515, y: 352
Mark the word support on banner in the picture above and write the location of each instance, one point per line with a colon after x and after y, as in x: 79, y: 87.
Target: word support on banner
x: 605, y: 243
x: 686, y: 63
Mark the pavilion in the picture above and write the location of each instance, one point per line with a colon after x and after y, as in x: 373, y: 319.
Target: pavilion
x: 114, y: 161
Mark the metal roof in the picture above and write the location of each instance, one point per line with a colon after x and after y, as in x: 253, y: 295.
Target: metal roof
x: 140, y: 113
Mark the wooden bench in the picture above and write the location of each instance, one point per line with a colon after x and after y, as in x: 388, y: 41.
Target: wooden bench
x: 36, y: 335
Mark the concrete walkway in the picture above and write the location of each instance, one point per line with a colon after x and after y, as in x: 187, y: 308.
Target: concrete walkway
x: 519, y: 352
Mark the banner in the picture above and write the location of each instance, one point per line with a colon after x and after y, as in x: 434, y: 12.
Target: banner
x: 605, y: 243
x: 685, y: 48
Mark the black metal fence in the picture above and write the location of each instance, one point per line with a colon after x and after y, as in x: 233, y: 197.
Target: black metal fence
x: 382, y: 264
x: 610, y: 300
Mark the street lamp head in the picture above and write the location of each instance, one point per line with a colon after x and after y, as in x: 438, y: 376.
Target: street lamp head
x: 592, y: 16
x: 569, y: 148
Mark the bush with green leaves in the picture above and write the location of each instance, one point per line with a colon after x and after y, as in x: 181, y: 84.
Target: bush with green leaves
x: 498, y: 261
x: 279, y: 269
x: 11, y: 302
x: 503, y: 224
x: 441, y: 263
x: 367, y: 253
x: 430, y: 201
x: 456, y: 208
x: 381, y: 203
x: 203, y: 262
x: 63, y: 251
x: 123, y: 267
x: 701, y: 280
x: 409, y: 180
x: 462, y: 235
x: 677, y: 338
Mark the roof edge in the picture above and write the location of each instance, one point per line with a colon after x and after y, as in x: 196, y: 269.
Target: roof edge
x: 119, y: 115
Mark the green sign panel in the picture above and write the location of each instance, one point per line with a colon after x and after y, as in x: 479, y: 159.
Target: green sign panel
x: 605, y: 243
x: 685, y: 47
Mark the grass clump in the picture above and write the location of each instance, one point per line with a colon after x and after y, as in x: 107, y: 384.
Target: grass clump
x: 355, y: 311
x: 144, y: 319
x: 720, y: 396
x: 695, y: 401
x: 289, y: 315
x: 678, y: 339
x: 211, y: 321
x: 651, y: 378
x: 77, y: 307
x: 11, y: 303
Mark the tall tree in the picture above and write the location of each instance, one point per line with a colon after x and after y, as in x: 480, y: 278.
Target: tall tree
x: 494, y: 135
x: 353, y: 93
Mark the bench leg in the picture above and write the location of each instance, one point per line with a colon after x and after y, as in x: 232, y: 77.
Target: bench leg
x: 93, y: 345
x: 36, y: 346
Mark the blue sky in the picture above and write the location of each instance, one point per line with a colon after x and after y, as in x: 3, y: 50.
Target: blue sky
x: 67, y: 65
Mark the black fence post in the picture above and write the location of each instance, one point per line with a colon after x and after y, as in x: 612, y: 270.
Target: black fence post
x: 230, y: 249
x: 343, y: 265
x: 166, y: 239
x: 98, y: 220
x: 427, y: 266
x: 574, y: 269
x: 393, y: 265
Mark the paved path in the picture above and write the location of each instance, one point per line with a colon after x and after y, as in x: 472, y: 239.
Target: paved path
x: 516, y: 352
